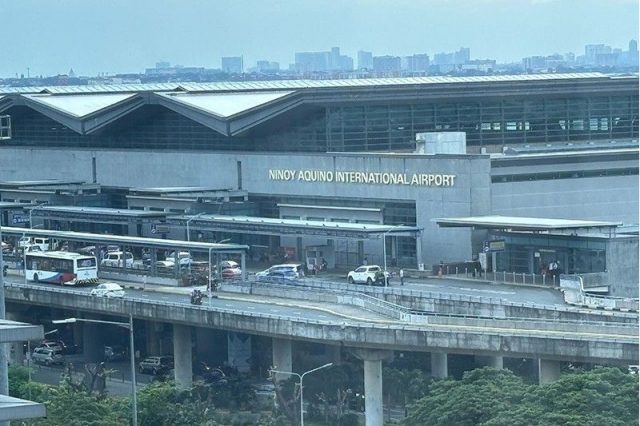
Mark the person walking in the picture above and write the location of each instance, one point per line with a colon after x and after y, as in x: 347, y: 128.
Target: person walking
x: 401, y: 276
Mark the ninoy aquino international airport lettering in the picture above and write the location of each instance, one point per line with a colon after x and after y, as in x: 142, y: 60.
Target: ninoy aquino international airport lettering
x: 375, y: 178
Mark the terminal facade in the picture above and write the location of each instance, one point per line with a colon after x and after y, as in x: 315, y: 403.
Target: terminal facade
x: 340, y: 151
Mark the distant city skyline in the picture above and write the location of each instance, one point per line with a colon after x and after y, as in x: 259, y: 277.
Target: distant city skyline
x: 50, y: 38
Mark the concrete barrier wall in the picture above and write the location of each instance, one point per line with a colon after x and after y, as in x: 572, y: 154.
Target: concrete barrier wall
x: 506, y: 342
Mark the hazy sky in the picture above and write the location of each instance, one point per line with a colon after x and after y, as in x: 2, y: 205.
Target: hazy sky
x: 92, y: 36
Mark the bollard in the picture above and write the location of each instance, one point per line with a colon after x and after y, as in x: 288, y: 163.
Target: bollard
x: 514, y: 277
x: 456, y: 272
x: 523, y: 278
x: 504, y: 276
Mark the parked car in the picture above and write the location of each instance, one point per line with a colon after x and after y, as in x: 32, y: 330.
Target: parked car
x: 108, y: 290
x: 230, y: 270
x: 117, y: 259
x: 51, y: 344
x: 47, y: 356
x: 115, y: 353
x: 297, y: 269
x: 369, y: 275
x: 156, y: 364
x: 278, y: 276
x: 24, y: 241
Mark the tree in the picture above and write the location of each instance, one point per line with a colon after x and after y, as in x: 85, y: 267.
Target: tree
x: 490, y: 397
x: 584, y: 398
x: 478, y: 397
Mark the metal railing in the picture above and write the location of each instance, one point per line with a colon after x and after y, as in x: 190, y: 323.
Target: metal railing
x: 523, y: 331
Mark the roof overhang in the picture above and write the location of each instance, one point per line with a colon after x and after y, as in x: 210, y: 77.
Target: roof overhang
x: 275, y: 226
x: 516, y: 223
x: 215, y: 111
x: 84, y: 114
x: 6, y: 102
x: 16, y: 408
x: 106, y: 239
x: 96, y: 214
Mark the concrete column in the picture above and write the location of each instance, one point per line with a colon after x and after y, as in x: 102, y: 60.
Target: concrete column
x: 92, y: 345
x: 439, y: 365
x: 281, y: 350
x: 373, y: 408
x: 490, y: 361
x: 334, y: 354
x: 153, y: 339
x: 548, y: 371
x: 182, y: 356
x: 16, y: 353
x: 418, y: 250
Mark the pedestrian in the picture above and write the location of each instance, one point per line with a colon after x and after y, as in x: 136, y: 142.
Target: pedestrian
x: 401, y: 276
x: 365, y: 261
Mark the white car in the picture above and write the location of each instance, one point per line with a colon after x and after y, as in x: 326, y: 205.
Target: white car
x: 108, y: 290
x: 115, y: 259
x: 369, y: 275
x: 297, y: 268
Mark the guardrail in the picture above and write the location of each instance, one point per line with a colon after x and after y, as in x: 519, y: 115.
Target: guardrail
x: 522, y: 325
x: 376, y: 291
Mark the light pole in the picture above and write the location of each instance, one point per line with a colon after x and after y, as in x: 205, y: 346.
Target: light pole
x: 31, y: 212
x: 384, y: 250
x: 301, y: 376
x: 189, y: 220
x: 128, y: 326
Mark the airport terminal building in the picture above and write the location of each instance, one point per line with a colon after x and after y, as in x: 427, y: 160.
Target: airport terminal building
x: 340, y: 156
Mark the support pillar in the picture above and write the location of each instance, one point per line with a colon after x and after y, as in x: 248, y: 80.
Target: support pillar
x: 334, y: 354
x: 281, y: 350
x: 548, y: 371
x: 439, y: 365
x: 182, y: 356
x: 92, y: 346
x: 490, y: 361
x: 373, y: 408
x: 418, y: 250
x: 153, y: 339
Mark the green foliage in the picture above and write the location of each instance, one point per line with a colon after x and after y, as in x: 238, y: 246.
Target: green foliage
x: 401, y: 385
x: 163, y: 404
x: 490, y: 397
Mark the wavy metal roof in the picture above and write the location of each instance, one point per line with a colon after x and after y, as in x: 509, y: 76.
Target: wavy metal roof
x: 80, y: 105
x: 227, y: 86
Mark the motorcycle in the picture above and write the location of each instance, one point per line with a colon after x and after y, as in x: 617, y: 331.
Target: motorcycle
x: 196, y: 297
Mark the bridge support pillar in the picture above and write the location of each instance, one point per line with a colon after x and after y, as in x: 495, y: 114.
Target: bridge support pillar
x: 490, y: 361
x: 439, y: 365
x: 548, y: 371
x: 334, y: 354
x: 153, y: 338
x: 373, y: 408
x: 92, y: 345
x: 281, y: 350
x: 16, y: 350
x: 182, y: 355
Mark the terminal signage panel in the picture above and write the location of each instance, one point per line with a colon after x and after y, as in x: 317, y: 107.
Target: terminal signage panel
x: 493, y: 246
x: 19, y: 218
x: 371, y: 178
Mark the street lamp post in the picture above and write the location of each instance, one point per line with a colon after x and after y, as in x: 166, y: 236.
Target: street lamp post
x: 31, y: 212
x: 129, y: 326
x: 384, y: 251
x: 189, y: 220
x: 300, y: 377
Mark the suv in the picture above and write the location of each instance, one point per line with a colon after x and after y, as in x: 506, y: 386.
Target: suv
x: 47, y: 356
x: 115, y: 353
x: 296, y: 268
x: 115, y: 259
x: 369, y: 275
x: 156, y: 364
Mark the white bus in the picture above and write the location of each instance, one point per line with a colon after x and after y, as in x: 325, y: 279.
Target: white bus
x: 61, y: 267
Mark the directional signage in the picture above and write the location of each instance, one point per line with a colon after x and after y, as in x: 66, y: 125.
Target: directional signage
x: 19, y: 218
x: 157, y: 228
x: 493, y: 246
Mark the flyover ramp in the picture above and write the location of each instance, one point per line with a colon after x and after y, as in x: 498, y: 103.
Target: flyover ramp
x: 594, y: 343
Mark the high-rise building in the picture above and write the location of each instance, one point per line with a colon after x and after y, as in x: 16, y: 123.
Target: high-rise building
x: 417, y: 62
x: 323, y: 61
x: 387, y: 63
x: 592, y: 51
x: 267, y: 66
x: 232, y: 65
x: 365, y: 60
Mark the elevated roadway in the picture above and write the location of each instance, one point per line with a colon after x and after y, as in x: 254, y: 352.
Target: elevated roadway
x: 339, y: 325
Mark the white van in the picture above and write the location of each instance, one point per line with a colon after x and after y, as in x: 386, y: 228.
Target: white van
x: 41, y: 242
x: 116, y: 259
